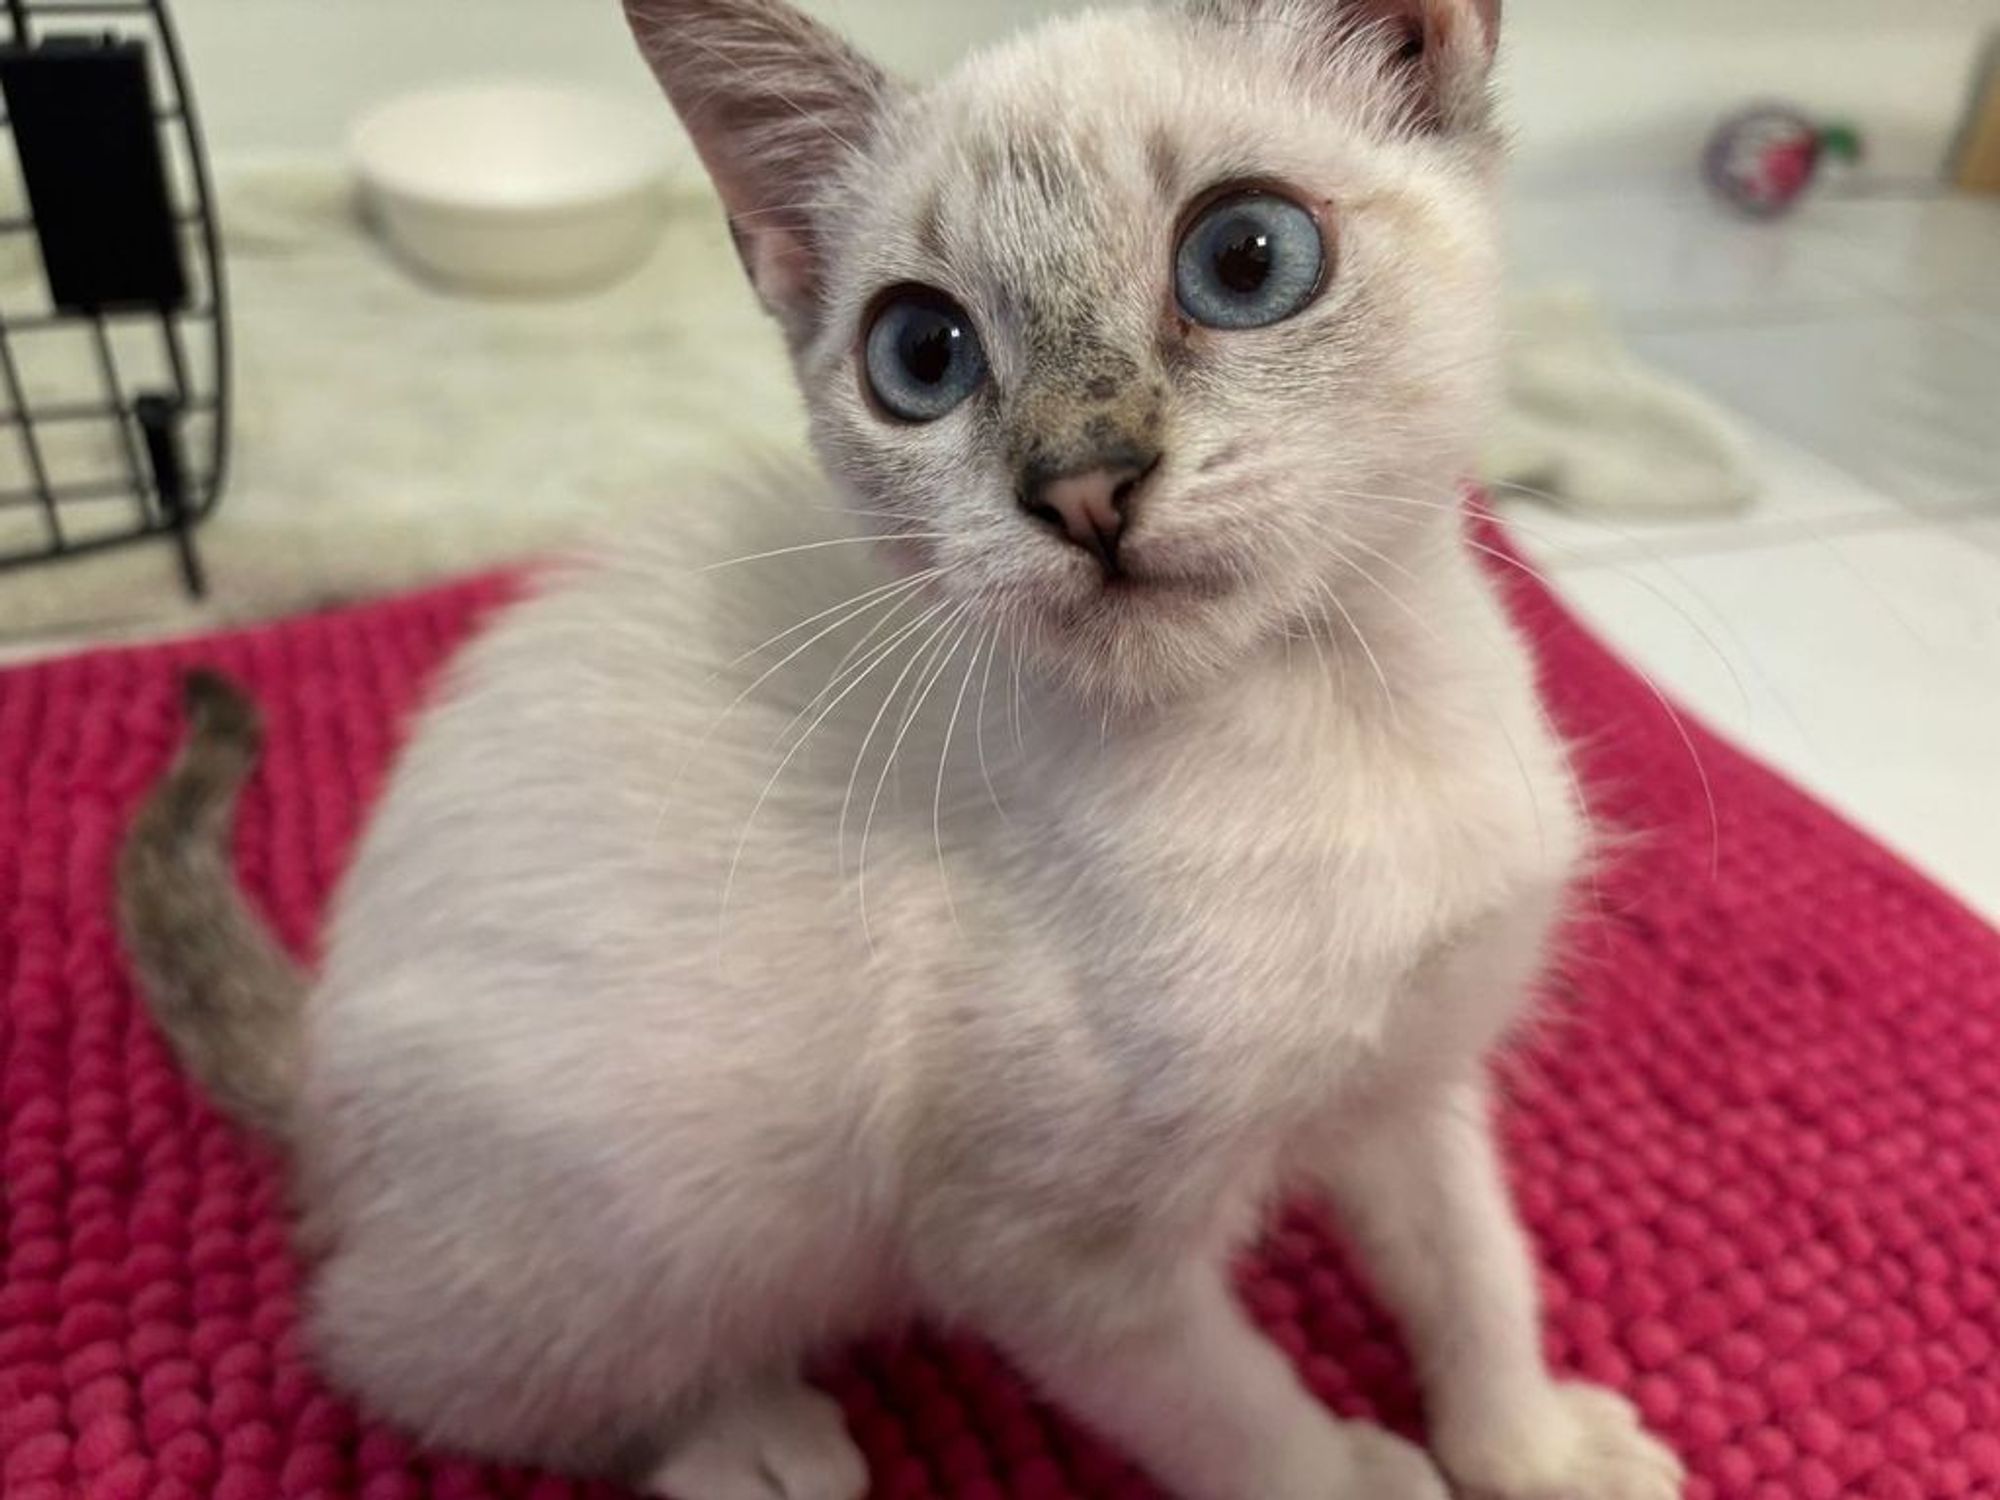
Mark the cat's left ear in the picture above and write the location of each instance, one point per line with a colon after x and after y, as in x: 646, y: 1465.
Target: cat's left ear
x: 776, y: 104
x: 1442, y: 56
x: 1438, y: 53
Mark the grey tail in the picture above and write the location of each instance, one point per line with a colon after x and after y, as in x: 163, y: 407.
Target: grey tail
x: 224, y: 991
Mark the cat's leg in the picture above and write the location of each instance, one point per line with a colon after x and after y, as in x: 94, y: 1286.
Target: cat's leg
x: 1422, y: 1192
x: 780, y: 1440
x: 1170, y: 1370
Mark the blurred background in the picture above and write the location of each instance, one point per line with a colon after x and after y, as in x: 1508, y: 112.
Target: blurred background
x: 1753, y: 433
x: 1599, y: 90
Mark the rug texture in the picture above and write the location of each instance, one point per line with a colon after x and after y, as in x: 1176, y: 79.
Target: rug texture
x: 1758, y: 1142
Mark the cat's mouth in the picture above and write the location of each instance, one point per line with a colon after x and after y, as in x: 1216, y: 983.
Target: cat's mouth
x: 1141, y: 585
x: 1131, y: 582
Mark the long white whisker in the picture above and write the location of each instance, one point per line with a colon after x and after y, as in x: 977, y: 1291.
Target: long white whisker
x: 1514, y: 523
x: 839, y: 541
x: 881, y: 713
x: 1374, y: 661
x: 778, y: 666
x: 1664, y: 561
x: 1652, y: 687
x: 979, y: 722
x: 844, y: 672
x: 1326, y: 669
x: 1014, y: 700
x: 944, y: 760
x: 921, y: 693
x: 715, y: 724
x: 892, y: 587
x: 874, y: 630
x: 1659, y: 696
x: 749, y: 823
x: 1431, y: 630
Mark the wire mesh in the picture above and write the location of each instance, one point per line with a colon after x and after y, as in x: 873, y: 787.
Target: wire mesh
x: 114, y: 421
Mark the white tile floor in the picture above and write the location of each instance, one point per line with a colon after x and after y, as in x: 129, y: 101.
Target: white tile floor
x: 1848, y: 628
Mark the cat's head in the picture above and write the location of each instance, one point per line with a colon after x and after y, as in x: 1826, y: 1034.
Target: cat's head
x: 1162, y: 332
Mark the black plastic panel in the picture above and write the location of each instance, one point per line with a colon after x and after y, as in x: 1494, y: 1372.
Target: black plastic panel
x: 83, y: 119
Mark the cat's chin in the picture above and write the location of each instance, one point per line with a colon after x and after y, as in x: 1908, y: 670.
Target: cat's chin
x: 1139, y: 637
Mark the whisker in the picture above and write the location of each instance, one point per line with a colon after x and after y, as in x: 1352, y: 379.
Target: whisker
x: 979, y: 721
x: 874, y: 630
x: 1367, y: 650
x: 1658, y: 695
x: 894, y: 586
x: 841, y: 541
x: 942, y: 658
x: 875, y: 725
x: 843, y: 673
x: 1514, y: 523
x: 866, y: 605
x: 749, y: 823
x: 1648, y: 553
x: 1326, y: 669
x: 1014, y: 702
x: 937, y: 797
x: 784, y: 661
x: 1430, y: 629
x: 1652, y: 687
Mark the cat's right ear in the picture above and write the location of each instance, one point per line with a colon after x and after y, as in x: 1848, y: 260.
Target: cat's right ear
x: 776, y: 105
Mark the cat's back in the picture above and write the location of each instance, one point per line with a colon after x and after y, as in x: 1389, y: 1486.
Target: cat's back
x: 603, y: 826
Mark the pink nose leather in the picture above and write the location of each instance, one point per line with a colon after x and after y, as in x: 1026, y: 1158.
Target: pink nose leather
x: 1089, y: 506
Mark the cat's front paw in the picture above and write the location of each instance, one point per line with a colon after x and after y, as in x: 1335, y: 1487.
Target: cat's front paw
x: 1582, y: 1443
x: 1335, y: 1461
x: 1381, y: 1466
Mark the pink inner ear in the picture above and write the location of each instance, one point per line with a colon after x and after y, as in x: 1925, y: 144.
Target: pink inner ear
x: 779, y: 262
x: 1488, y: 12
x: 1430, y: 22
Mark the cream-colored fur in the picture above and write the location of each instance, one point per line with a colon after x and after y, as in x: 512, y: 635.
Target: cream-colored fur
x: 773, y: 934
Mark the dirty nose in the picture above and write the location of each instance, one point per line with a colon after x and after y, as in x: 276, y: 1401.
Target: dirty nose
x: 1089, y: 507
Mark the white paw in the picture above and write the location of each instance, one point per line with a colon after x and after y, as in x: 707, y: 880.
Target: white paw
x: 1382, y: 1466
x: 1582, y: 1443
x: 783, y: 1443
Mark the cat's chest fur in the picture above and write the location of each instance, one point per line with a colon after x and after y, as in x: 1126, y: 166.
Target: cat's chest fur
x: 1277, y: 871
x: 1240, y: 920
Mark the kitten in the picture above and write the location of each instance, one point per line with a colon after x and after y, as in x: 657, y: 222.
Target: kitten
x: 769, y: 938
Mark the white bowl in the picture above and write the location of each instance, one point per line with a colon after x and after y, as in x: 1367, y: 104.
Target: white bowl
x: 514, y: 187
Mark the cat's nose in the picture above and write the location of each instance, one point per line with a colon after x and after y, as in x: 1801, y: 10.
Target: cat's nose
x: 1089, y: 506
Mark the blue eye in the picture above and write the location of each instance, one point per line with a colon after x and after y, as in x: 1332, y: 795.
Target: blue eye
x: 923, y: 355
x: 1250, y: 261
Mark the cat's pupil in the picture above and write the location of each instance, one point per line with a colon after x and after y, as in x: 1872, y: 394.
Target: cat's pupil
x: 929, y: 347
x: 1243, y: 260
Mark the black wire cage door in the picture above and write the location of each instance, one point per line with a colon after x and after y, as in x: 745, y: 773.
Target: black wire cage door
x: 114, y: 358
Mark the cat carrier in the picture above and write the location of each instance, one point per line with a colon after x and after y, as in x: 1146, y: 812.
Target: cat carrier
x: 114, y: 360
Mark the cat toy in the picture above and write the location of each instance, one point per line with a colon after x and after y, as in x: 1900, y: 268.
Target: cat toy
x: 1763, y: 161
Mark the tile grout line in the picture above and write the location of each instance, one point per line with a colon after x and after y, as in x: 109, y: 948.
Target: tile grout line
x: 1777, y: 534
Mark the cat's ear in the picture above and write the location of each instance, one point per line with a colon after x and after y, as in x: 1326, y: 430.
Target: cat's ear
x: 1439, y: 53
x: 776, y: 105
x: 1443, y: 56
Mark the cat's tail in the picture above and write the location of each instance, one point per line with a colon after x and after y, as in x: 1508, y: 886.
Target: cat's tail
x: 225, y: 992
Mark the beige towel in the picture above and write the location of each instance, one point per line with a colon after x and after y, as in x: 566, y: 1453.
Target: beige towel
x: 1588, y: 426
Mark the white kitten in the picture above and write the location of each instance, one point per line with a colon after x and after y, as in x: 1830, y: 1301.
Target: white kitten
x: 760, y: 943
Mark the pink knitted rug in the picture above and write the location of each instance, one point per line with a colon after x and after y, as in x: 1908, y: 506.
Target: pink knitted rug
x: 1760, y: 1153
